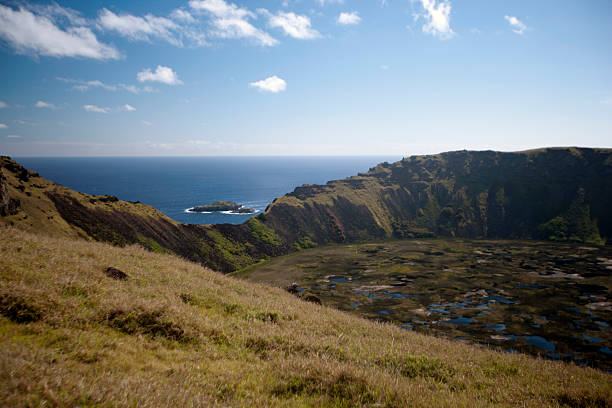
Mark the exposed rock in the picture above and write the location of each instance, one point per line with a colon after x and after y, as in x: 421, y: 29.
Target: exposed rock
x: 108, y: 199
x: 499, y: 337
x: 115, y: 273
x: 600, y: 306
x: 293, y: 289
x: 312, y: 298
x: 8, y: 206
x: 481, y: 292
x: 223, y: 206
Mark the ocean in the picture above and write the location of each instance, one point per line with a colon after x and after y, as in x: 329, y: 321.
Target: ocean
x: 175, y: 184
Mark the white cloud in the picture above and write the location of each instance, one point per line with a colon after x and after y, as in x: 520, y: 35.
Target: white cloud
x: 349, y: 18
x: 81, y: 85
x: 3, y: 104
x: 94, y: 108
x: 146, y: 123
x: 294, y: 25
x: 231, y: 21
x: 136, y: 90
x: 139, y: 28
x: 437, y: 18
x: 38, y: 35
x: 56, y: 12
x: 384, y: 67
x: 517, y: 26
x: 607, y: 101
x: 162, y: 74
x: 182, y: 15
x: 43, y: 104
x: 3, y: 126
x: 13, y: 136
x: 272, y: 84
x: 128, y: 108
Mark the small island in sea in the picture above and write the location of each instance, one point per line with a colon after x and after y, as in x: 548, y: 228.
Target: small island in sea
x: 230, y: 206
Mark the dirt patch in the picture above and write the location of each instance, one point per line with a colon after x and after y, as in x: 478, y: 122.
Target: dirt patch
x: 115, y: 273
x: 582, y: 401
x: 345, y: 388
x: 18, y: 309
x: 145, y: 322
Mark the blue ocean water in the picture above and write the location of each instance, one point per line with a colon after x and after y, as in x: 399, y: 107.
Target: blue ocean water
x: 174, y: 184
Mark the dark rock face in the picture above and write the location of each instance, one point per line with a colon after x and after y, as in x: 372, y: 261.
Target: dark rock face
x: 8, y: 205
x: 115, y: 273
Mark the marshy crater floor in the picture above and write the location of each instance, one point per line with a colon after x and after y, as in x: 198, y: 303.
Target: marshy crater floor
x: 541, y: 298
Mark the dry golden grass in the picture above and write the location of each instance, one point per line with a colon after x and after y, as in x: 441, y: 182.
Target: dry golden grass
x: 176, y: 334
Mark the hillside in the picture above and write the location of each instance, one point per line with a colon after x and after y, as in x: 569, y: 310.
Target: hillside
x: 32, y: 203
x: 557, y: 193
x: 561, y: 194
x: 172, y: 333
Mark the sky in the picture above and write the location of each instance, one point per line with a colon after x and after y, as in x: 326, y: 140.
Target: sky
x: 303, y: 77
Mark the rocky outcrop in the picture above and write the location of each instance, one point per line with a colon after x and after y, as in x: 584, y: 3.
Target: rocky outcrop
x: 230, y: 206
x: 8, y: 205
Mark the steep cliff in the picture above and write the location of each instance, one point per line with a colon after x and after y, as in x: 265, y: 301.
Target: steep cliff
x: 556, y: 193
x: 462, y: 194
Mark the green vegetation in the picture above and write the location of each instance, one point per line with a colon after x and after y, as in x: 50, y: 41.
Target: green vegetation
x: 263, y: 233
x: 574, y: 225
x: 304, y: 243
x: 176, y: 334
x: 152, y: 245
x: 487, y: 292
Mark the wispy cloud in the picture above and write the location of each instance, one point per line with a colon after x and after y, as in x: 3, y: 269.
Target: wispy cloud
x: 161, y: 74
x: 351, y: 18
x: 272, y: 84
x: 26, y: 122
x: 182, y: 15
x: 607, y: 101
x: 231, y: 21
x: 517, y: 26
x: 324, y: 2
x: 96, y: 109
x: 128, y: 108
x: 81, y: 85
x: 437, y: 18
x: 3, y: 104
x: 294, y: 25
x: 148, y: 27
x: 146, y: 123
x: 3, y: 126
x: 43, y: 104
x: 40, y: 35
x: 13, y: 136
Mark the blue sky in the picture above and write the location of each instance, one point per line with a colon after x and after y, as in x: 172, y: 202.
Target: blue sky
x: 303, y: 77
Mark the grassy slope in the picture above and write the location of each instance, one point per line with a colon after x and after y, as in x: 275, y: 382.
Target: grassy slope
x: 463, y: 194
x: 176, y: 334
x: 51, y: 209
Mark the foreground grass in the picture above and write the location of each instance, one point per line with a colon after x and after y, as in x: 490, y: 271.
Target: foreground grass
x: 176, y: 334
